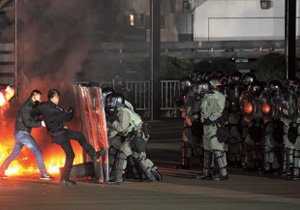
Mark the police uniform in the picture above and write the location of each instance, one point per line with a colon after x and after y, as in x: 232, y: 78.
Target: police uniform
x: 130, y: 126
x: 212, y: 106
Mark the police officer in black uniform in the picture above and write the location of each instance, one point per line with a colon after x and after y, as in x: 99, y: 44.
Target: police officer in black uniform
x: 54, y: 117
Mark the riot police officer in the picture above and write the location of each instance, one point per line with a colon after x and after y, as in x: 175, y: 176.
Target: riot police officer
x: 190, y: 146
x: 129, y: 125
x: 289, y: 117
x: 212, y: 107
x: 236, y: 151
x: 270, y: 100
x: 249, y: 102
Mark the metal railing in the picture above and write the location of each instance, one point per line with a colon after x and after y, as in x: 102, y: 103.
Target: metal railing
x: 169, y: 90
x: 138, y: 93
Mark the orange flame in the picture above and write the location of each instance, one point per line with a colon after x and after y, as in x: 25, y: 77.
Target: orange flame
x: 53, y: 163
x: 2, y: 99
x: 6, y: 95
x: 9, y: 93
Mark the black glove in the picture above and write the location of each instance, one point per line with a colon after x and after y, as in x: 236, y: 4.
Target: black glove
x: 71, y: 110
x: 207, y: 121
x: 111, y: 118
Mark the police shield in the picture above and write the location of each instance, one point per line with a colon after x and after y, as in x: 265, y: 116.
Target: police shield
x: 247, y: 104
x: 266, y: 104
x: 235, y: 95
x: 289, y: 106
x: 277, y: 104
x: 93, y: 122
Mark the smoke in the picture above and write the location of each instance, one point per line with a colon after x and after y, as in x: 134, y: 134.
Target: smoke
x: 55, y: 39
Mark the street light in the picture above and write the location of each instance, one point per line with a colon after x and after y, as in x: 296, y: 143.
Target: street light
x: 265, y: 4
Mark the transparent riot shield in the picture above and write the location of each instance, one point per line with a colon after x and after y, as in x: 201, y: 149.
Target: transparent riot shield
x: 277, y: 104
x: 266, y: 104
x: 289, y: 106
x: 93, y: 122
x: 235, y: 95
x: 247, y: 105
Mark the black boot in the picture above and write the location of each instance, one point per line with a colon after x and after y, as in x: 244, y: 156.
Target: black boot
x: 112, y: 163
x: 267, y: 160
x: 283, y: 163
x: 289, y: 163
x: 233, y: 153
x: 206, y: 175
x: 242, y: 154
x: 196, y: 156
x: 219, y: 155
x: 146, y: 171
x: 250, y: 166
x: 296, y: 175
x: 121, y: 161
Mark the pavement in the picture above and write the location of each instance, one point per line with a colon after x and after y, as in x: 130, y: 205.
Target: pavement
x: 178, y: 190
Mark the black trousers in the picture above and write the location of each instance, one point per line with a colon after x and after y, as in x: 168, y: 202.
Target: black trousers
x: 64, y: 141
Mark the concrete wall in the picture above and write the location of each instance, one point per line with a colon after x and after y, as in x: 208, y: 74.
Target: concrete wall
x: 240, y: 20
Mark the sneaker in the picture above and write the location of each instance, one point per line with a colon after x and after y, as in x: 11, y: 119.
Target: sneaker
x: 67, y: 182
x: 47, y: 177
x: 2, y: 175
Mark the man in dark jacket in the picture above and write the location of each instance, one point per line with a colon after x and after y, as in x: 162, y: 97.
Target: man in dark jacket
x: 54, y: 117
x: 24, y: 123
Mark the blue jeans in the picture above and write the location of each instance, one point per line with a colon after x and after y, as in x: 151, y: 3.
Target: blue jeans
x: 24, y: 138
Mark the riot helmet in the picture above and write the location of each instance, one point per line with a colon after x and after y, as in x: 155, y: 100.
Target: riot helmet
x: 275, y: 86
x: 286, y: 85
x: 202, y: 87
x: 256, y: 88
x: 236, y: 77
x: 185, y: 84
x: 289, y: 105
x: 215, y: 82
x: 106, y: 91
x: 206, y: 75
x: 294, y: 86
x: 114, y: 101
x: 196, y: 76
x: 248, y: 78
x: 224, y: 81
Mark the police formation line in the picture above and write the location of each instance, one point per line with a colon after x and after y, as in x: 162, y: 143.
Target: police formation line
x: 234, y: 120
x: 242, y: 122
